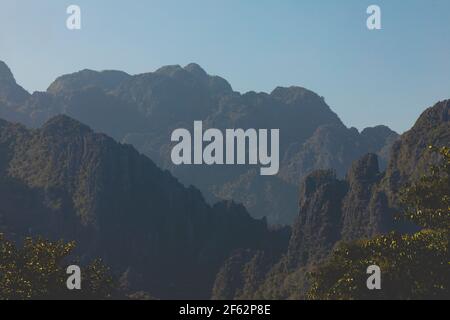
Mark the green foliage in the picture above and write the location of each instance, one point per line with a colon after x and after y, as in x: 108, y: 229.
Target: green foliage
x: 37, y: 270
x: 427, y: 201
x: 415, y: 266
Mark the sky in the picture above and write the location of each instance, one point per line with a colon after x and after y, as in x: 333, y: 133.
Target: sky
x: 386, y: 76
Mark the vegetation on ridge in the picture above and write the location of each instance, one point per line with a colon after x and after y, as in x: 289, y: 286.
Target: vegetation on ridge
x: 413, y: 266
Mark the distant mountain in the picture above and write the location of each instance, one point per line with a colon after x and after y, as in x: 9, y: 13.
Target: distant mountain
x: 144, y: 109
x: 12, y: 96
x: 331, y: 210
x: 10, y: 92
x: 65, y: 181
x: 60, y: 179
x: 336, y: 147
x: 105, y: 80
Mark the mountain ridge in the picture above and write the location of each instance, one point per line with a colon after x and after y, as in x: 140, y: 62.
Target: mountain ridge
x: 144, y: 109
x: 64, y: 181
x: 332, y: 210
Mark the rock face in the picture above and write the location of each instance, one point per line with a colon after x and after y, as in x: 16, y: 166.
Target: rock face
x: 336, y: 147
x: 332, y: 210
x: 65, y: 181
x: 317, y: 227
x: 144, y: 109
x: 363, y: 205
x: 12, y: 96
x: 407, y: 158
x: 10, y: 91
x: 365, y: 209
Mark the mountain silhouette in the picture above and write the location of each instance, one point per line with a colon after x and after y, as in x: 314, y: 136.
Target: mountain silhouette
x: 144, y: 109
x: 64, y: 181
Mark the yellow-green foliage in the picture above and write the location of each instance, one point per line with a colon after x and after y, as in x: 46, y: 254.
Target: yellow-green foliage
x: 37, y: 270
x: 414, y: 266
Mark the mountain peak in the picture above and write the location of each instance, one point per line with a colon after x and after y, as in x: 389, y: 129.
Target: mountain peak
x: 294, y: 94
x: 364, y: 169
x: 196, y: 70
x: 63, y: 124
x: 314, y: 181
x: 170, y: 70
x: 10, y: 91
x: 107, y: 80
x: 408, y: 158
x: 292, y: 89
x: 434, y: 116
x: 6, y: 74
x: 379, y: 130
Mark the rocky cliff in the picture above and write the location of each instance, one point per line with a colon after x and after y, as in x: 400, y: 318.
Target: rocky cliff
x: 65, y: 181
x: 360, y: 206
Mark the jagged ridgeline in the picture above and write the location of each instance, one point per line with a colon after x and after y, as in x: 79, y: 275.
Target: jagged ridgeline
x: 60, y: 179
x: 143, y: 110
x: 361, y: 206
x: 65, y: 181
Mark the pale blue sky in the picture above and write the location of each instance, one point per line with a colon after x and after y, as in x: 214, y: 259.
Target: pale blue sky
x: 367, y: 77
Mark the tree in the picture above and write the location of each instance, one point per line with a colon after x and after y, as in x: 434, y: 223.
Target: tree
x: 37, y: 270
x: 414, y: 266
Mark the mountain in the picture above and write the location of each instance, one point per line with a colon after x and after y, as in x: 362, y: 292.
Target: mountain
x: 10, y: 91
x: 360, y: 206
x: 64, y: 181
x: 144, y: 109
x: 407, y: 158
x: 106, y: 80
x: 60, y: 179
x: 12, y: 96
x: 335, y: 147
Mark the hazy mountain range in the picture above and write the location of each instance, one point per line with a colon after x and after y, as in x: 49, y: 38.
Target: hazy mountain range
x: 61, y: 179
x: 362, y: 205
x: 144, y: 109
